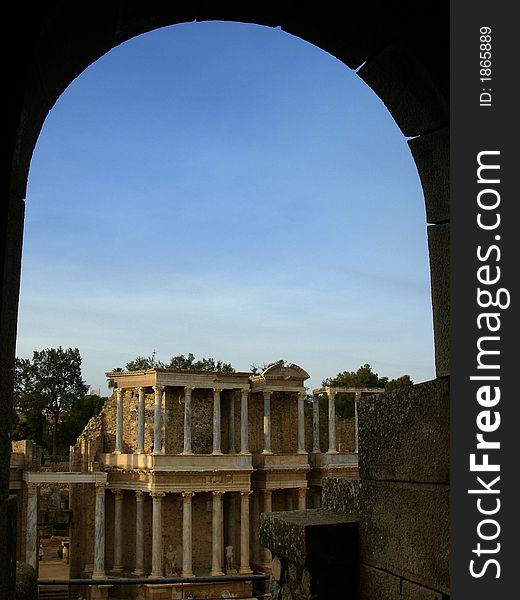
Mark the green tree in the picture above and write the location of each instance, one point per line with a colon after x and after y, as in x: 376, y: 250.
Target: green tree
x: 29, y: 419
x: 51, y: 382
x: 181, y: 362
x: 80, y: 413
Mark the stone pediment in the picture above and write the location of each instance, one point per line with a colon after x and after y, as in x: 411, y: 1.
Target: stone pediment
x: 281, y: 371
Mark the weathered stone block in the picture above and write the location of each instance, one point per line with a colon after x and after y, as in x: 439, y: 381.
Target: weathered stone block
x: 412, y: 591
x: 8, y: 509
x: 26, y: 588
x: 404, y: 435
x: 341, y: 495
x: 312, y: 538
x: 439, y: 249
x: 404, y: 528
x: 407, y: 89
x: 431, y: 153
x: 375, y: 584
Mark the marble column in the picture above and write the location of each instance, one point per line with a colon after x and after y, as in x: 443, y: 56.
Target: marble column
x: 244, y: 532
x: 231, y: 502
x: 301, y: 423
x: 140, y: 423
x: 187, y: 421
x: 315, y: 424
x: 99, y: 533
x: 216, y: 422
x: 139, y: 533
x: 157, y: 419
x: 231, y: 423
x: 244, y: 423
x: 255, y: 526
x: 157, y: 534
x: 217, y: 550
x: 187, y: 536
x: 356, y: 398
x: 332, y: 423
x: 118, y: 531
x: 267, y: 508
x: 119, y: 420
x: 267, y: 423
x: 31, y: 539
x: 302, y: 498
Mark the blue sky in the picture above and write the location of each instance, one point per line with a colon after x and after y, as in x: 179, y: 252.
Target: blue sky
x: 232, y: 191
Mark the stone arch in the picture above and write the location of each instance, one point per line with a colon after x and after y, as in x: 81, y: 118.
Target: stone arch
x: 399, y: 48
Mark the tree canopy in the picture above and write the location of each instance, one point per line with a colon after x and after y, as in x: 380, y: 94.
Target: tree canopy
x: 47, y: 387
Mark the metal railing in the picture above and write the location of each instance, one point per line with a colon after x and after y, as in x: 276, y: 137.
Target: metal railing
x: 185, y: 583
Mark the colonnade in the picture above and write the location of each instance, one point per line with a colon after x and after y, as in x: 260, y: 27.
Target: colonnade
x: 217, y: 422
x: 217, y: 554
x: 187, y: 438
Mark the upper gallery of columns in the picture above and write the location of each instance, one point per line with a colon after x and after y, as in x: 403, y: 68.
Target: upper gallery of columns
x: 179, y: 378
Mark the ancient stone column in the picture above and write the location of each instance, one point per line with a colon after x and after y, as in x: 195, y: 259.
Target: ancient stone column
x: 231, y: 424
x: 244, y: 423
x: 157, y: 419
x: 302, y: 498
x: 118, y: 531
x: 357, y: 397
x: 216, y: 422
x: 301, y: 423
x: 267, y: 508
x: 31, y: 539
x: 99, y: 533
x: 140, y: 423
x: 332, y: 423
x: 157, y: 534
x: 119, y: 420
x: 315, y: 424
x: 187, y: 539
x: 139, y: 533
x: 216, y: 554
x: 187, y: 421
x: 244, y: 532
x: 267, y: 423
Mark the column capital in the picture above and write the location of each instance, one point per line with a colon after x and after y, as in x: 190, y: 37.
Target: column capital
x: 188, y: 495
x: 32, y: 487
x: 120, y: 391
x: 158, y: 389
x: 217, y: 390
x: 157, y: 496
x: 188, y: 390
x: 100, y: 487
x: 140, y: 390
x: 246, y: 493
x: 267, y: 393
x: 139, y: 495
x: 117, y: 491
x: 331, y: 394
x: 302, y: 394
x: 217, y: 493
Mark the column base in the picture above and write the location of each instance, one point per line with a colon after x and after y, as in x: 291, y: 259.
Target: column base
x: 267, y: 451
x: 138, y: 572
x: 216, y: 453
x: 301, y: 452
x: 245, y: 571
x: 245, y: 452
x: 155, y: 576
x: 217, y: 573
x: 332, y: 451
x: 186, y: 452
x: 99, y: 575
x: 117, y: 452
x: 187, y: 574
x: 139, y: 452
